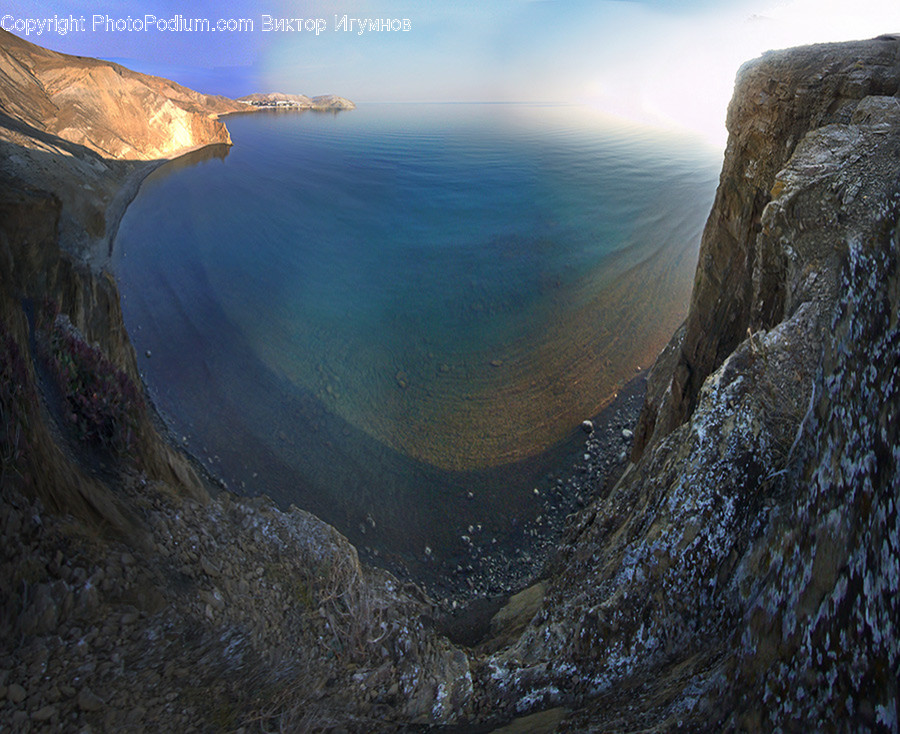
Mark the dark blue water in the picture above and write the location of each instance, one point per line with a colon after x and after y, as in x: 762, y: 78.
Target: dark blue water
x: 374, y: 313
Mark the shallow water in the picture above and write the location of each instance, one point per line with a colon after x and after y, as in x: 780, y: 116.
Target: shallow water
x: 376, y: 313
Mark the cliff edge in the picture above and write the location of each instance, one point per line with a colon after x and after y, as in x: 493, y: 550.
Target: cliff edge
x: 742, y: 575
x: 131, y: 598
x: 738, y: 286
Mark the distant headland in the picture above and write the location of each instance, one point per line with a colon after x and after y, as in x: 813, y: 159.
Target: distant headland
x: 298, y: 101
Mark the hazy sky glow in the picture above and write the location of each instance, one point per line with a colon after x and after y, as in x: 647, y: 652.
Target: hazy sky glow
x: 668, y: 62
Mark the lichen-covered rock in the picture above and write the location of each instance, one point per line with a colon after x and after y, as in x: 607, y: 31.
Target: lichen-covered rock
x: 778, y: 100
x: 743, y: 573
x: 819, y: 587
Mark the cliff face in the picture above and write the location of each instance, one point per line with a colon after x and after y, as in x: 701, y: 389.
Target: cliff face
x: 743, y: 573
x: 103, y: 106
x: 739, y: 284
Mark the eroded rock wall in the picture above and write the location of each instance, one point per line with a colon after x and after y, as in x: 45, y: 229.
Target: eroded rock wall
x: 129, y: 597
x: 743, y: 573
x: 738, y: 285
x: 105, y: 107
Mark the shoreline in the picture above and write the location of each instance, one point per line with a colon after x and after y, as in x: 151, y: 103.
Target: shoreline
x: 498, y: 570
x: 126, y: 193
x: 130, y: 187
x: 495, y: 570
x: 480, y: 568
x: 599, y: 466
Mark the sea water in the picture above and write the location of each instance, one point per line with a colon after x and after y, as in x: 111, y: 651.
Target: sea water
x: 396, y: 317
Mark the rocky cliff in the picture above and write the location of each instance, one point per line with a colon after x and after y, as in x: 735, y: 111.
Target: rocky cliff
x: 105, y: 107
x: 129, y: 597
x: 780, y: 101
x: 106, y: 123
x: 742, y: 574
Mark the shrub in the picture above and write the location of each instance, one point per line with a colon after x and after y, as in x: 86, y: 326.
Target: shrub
x: 103, y: 403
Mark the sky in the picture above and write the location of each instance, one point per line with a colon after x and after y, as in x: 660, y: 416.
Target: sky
x: 669, y: 63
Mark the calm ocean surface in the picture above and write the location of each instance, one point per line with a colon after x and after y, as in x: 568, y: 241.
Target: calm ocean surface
x: 373, y: 313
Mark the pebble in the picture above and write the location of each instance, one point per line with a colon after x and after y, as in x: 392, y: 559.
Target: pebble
x: 587, y: 427
x: 88, y: 700
x: 627, y: 434
x: 18, y: 719
x: 44, y: 714
x: 209, y: 568
x: 15, y: 693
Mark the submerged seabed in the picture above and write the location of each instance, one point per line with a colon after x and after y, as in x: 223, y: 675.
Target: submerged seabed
x: 397, y: 317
